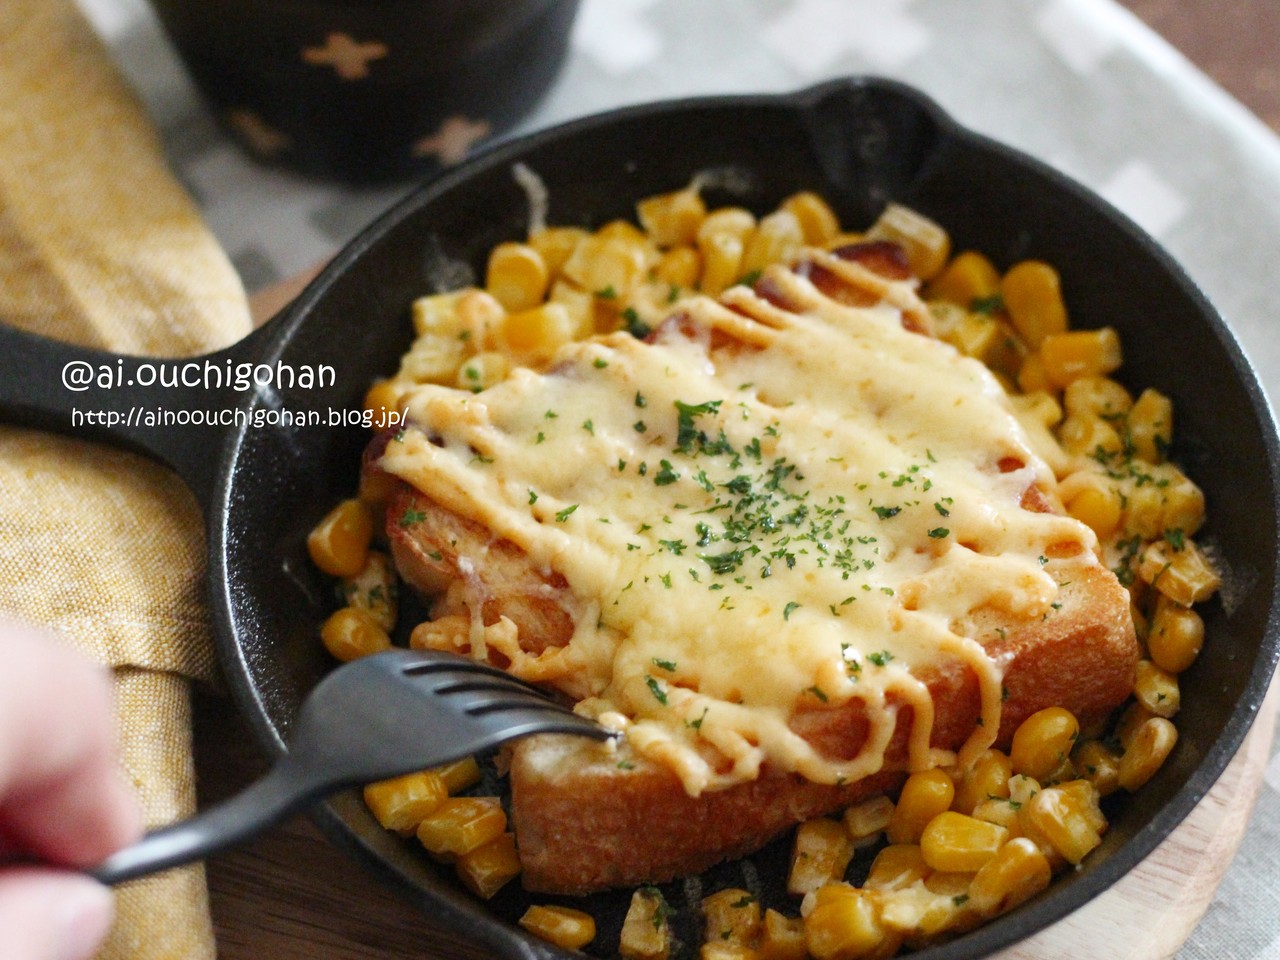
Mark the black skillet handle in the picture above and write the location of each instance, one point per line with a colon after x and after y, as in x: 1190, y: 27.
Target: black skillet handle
x: 178, y: 411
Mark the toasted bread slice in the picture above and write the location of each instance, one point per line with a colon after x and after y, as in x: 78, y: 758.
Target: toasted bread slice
x: 578, y: 808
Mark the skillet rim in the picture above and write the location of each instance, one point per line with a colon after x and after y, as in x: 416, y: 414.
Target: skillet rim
x: 465, y: 913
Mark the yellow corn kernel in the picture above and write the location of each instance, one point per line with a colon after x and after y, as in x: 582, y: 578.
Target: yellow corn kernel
x: 949, y: 883
x: 516, y: 276
x: 608, y: 266
x: 1183, y: 575
x: 1080, y: 353
x: 450, y: 633
x: 339, y: 543
x: 777, y: 239
x: 1032, y: 294
x: 623, y: 230
x: 1098, y: 507
x: 1151, y: 425
x: 434, y: 359
x: 382, y: 398
x: 487, y: 868
x: 731, y: 915
x: 867, y: 820
x: 1057, y: 817
x: 479, y: 317
x: 1175, y: 637
x: 1042, y: 741
x: 1032, y: 375
x: 727, y: 951
x: 721, y: 262
x: 956, y: 843
x: 925, y: 795
x: 947, y: 318
x: 897, y: 867
x: 462, y: 824
x: 845, y: 924
x: 818, y: 222
x: 578, y: 304
x: 1183, y: 506
x: 1002, y: 811
x: 646, y: 931
x: 820, y: 855
x: 1014, y: 875
x: 540, y: 331
x: 1088, y: 436
x: 1131, y: 720
x: 482, y: 371
x: 350, y: 633
x: 679, y: 268
x: 925, y: 243
x: 460, y: 774
x: 555, y: 244
x: 988, y: 777
x: 976, y: 335
x: 1157, y: 689
x: 734, y: 221
x: 1097, y: 397
x: 438, y: 313
x: 565, y: 927
x: 782, y: 938
x: 1099, y: 765
x: 401, y: 803
x: 374, y: 590
x: 968, y: 279
x: 672, y: 219
x: 1146, y: 751
x: 1086, y: 802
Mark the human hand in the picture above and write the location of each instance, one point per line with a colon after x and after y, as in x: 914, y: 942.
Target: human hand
x: 62, y: 799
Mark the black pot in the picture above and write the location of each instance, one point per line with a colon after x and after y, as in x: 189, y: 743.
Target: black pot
x: 859, y: 142
x: 368, y: 90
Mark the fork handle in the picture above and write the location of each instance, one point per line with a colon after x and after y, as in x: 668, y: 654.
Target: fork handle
x: 264, y: 803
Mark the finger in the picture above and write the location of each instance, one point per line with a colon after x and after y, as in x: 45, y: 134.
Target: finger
x: 50, y: 915
x: 62, y: 797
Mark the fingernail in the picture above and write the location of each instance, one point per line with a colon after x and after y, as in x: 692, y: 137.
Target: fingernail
x: 86, y: 918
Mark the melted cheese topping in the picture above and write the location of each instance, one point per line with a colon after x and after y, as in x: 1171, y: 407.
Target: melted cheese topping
x: 799, y: 518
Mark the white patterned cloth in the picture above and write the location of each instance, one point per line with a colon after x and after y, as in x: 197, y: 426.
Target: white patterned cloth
x: 1079, y: 83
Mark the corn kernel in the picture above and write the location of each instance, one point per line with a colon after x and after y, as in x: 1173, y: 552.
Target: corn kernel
x: 578, y: 304
x: 1147, y: 750
x: 672, y: 219
x: 438, y: 313
x: 482, y: 371
x: 718, y: 950
x: 679, y: 268
x: 1032, y: 375
x: 989, y: 777
x: 555, y: 244
x: 381, y: 399
x: 1175, y: 637
x: 460, y: 774
x: 646, y: 931
x: 486, y: 869
x: 956, y: 843
x: 1022, y: 788
x: 734, y: 221
x: 516, y: 276
x: 777, y: 239
x: 339, y: 544
x: 1099, y: 765
x: 608, y: 266
x: 1183, y: 575
x: 1098, y: 507
x: 563, y: 926
x: 782, y: 938
x: 374, y: 590
x: 820, y: 855
x: 539, y: 331
x: 1157, y: 689
x: 1086, y: 801
x: 818, y: 222
x: 1014, y: 875
x: 731, y: 915
x: 1002, y: 811
x: 897, y: 867
x: 433, y: 359
x: 1151, y: 426
x: 479, y: 316
x: 1097, y: 397
x: 350, y: 633
x: 1042, y: 741
x: 976, y: 335
x: 968, y: 279
x: 1080, y: 353
x: 623, y: 230
x: 1088, y: 436
x: 1057, y: 817
x: 450, y: 633
x: 925, y: 795
x: 462, y: 824
x: 846, y: 926
x: 721, y: 262
x: 868, y: 819
x: 401, y: 803
x: 1032, y: 294
x: 926, y: 244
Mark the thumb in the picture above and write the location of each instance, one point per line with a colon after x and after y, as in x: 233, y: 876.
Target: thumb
x: 51, y: 914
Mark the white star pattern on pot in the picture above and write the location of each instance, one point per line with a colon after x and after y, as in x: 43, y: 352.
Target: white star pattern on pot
x: 812, y: 35
x: 450, y: 143
x: 349, y: 59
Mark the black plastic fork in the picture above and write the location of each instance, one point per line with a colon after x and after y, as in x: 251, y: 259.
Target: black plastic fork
x: 376, y: 717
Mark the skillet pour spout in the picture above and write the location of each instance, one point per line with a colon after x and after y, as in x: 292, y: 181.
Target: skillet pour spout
x: 860, y: 142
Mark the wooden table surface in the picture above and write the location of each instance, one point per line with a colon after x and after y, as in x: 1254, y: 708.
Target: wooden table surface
x: 291, y: 895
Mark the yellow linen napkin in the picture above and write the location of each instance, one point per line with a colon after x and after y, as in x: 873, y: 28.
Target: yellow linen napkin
x: 100, y: 246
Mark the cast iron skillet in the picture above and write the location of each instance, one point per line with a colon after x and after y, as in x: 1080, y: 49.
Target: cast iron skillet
x: 859, y: 142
